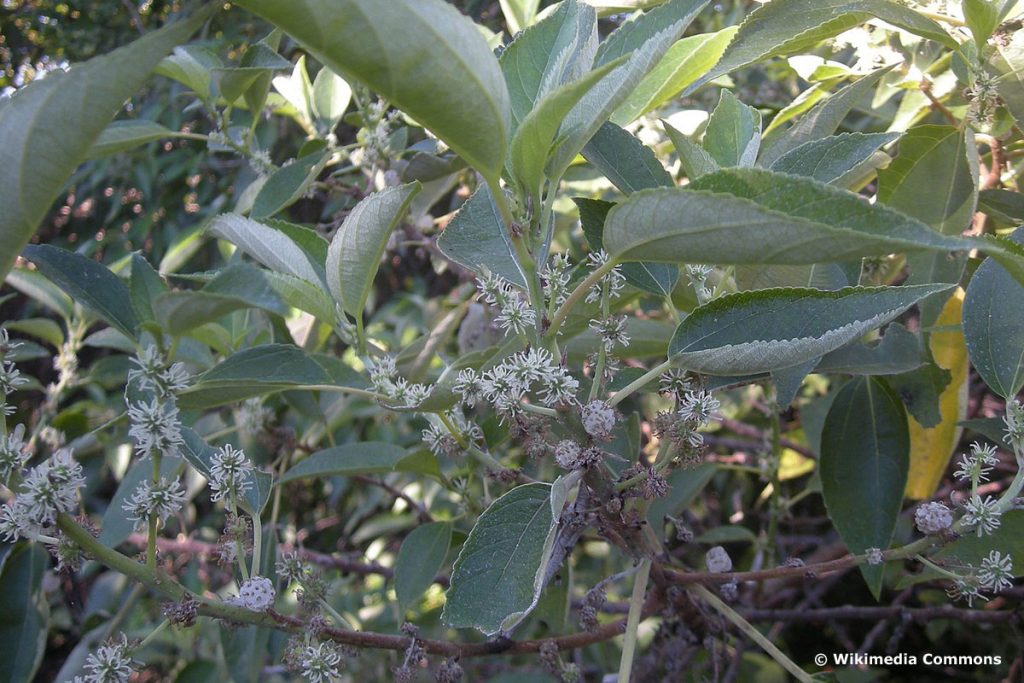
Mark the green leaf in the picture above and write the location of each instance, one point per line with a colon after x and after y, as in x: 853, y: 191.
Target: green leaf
x: 200, y: 454
x: 686, y: 61
x: 499, y: 574
x: 625, y: 161
x: 547, y: 56
x: 264, y: 370
x: 287, y: 185
x: 533, y: 139
x: 817, y: 275
x: 48, y: 127
x: 733, y: 134
x: 271, y: 245
x: 88, y: 283
x: 236, y: 287
x: 635, y: 33
x: 144, y: 285
x: 993, y: 320
x: 1004, y: 205
x: 409, y: 51
x: 822, y: 120
x: 519, y: 13
x: 419, y: 559
x: 784, y: 27
x: 303, y: 295
x: 122, y: 135
x: 934, y: 178
x: 835, y: 159
x: 331, y: 97
x: 601, y: 101
x: 355, y: 252
x: 656, y: 278
x: 116, y: 526
x: 368, y: 457
x: 476, y: 239
x: 752, y: 332
x: 694, y: 160
x: 897, y: 352
x: 1008, y: 66
x: 23, y: 612
x: 865, y: 456
x: 756, y: 216
x: 192, y: 66
x: 982, y: 18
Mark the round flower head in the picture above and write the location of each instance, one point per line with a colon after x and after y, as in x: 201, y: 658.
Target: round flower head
x: 931, y: 518
x: 110, y: 663
x: 598, y: 419
x: 996, y: 573
x: 718, y: 561
x: 160, y: 501
x: 256, y: 594
x: 320, y: 663
x: 156, y: 428
x: 231, y: 470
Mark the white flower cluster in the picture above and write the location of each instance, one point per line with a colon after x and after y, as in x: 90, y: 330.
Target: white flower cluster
x: 47, y: 489
x: 110, y: 663
x: 976, y: 465
x: 675, y: 383
x: 159, y: 501
x: 442, y: 442
x: 153, y: 374
x: 10, y: 376
x: 231, y: 473
x: 385, y: 380
x: 994, y: 575
x: 698, y: 276
x: 514, y: 313
x: 155, y: 424
x: 696, y: 410
x: 612, y: 331
x: 256, y: 594
x: 320, y: 663
x: 555, y: 276
x: 614, y: 281
x: 14, y: 453
x: 508, y: 383
x: 932, y: 518
x: 718, y: 561
x: 985, y: 514
x: 598, y: 419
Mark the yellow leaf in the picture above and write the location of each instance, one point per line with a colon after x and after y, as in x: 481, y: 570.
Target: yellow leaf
x: 931, y: 449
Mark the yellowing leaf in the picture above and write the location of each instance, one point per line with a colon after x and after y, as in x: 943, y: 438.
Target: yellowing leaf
x: 931, y: 449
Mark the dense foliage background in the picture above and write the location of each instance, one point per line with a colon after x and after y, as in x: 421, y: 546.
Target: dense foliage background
x: 932, y: 118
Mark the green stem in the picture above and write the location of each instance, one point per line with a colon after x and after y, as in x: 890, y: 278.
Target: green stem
x: 239, y: 548
x: 639, y: 383
x: 152, y: 635
x: 153, y: 520
x: 581, y: 290
x: 774, y: 506
x: 522, y: 251
x: 636, y: 606
x: 257, y: 545
x: 752, y: 633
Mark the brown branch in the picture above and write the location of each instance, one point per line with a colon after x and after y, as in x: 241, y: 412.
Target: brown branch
x: 854, y: 613
x: 421, y: 511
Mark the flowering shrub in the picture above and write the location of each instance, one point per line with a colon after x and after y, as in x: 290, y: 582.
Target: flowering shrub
x: 482, y: 369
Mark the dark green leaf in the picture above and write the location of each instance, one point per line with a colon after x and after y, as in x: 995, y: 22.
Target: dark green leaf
x: 287, y: 185
x: 144, y: 285
x: 634, y: 34
x: 476, y: 239
x: 733, y: 133
x: 368, y: 457
x: 993, y: 320
x: 279, y: 246
x: 753, y: 332
x: 122, y: 135
x: 694, y: 160
x: 625, y: 161
x: 88, y: 283
x: 419, y: 559
x: 48, y: 127
x: 865, y: 457
x: 898, y: 351
x: 1005, y: 205
x: 23, y: 612
x: 834, y: 159
x: 358, y: 245
x: 409, y: 51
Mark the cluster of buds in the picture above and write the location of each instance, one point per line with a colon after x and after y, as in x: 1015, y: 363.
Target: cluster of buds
x: 514, y: 312
x: 398, y: 390
x: 532, y: 372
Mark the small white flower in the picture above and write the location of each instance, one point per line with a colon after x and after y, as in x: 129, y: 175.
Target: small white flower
x: 676, y: 383
x: 51, y: 488
x: 13, y: 453
x: 975, y: 466
x: 966, y: 589
x: 256, y: 594
x: 718, y: 561
x: 698, y: 407
x: 1014, y: 420
x: 440, y: 441
x: 931, y: 518
x: 110, y: 663
x: 984, y: 514
x: 10, y: 378
x: 230, y: 471
x: 320, y: 663
x: 560, y: 389
x: 614, y: 280
x: 612, y: 331
x: 516, y: 316
x: 467, y: 385
x: 555, y: 277
x: 161, y: 500
x: 874, y: 556
x: 996, y: 573
x: 156, y: 428
x: 291, y: 567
